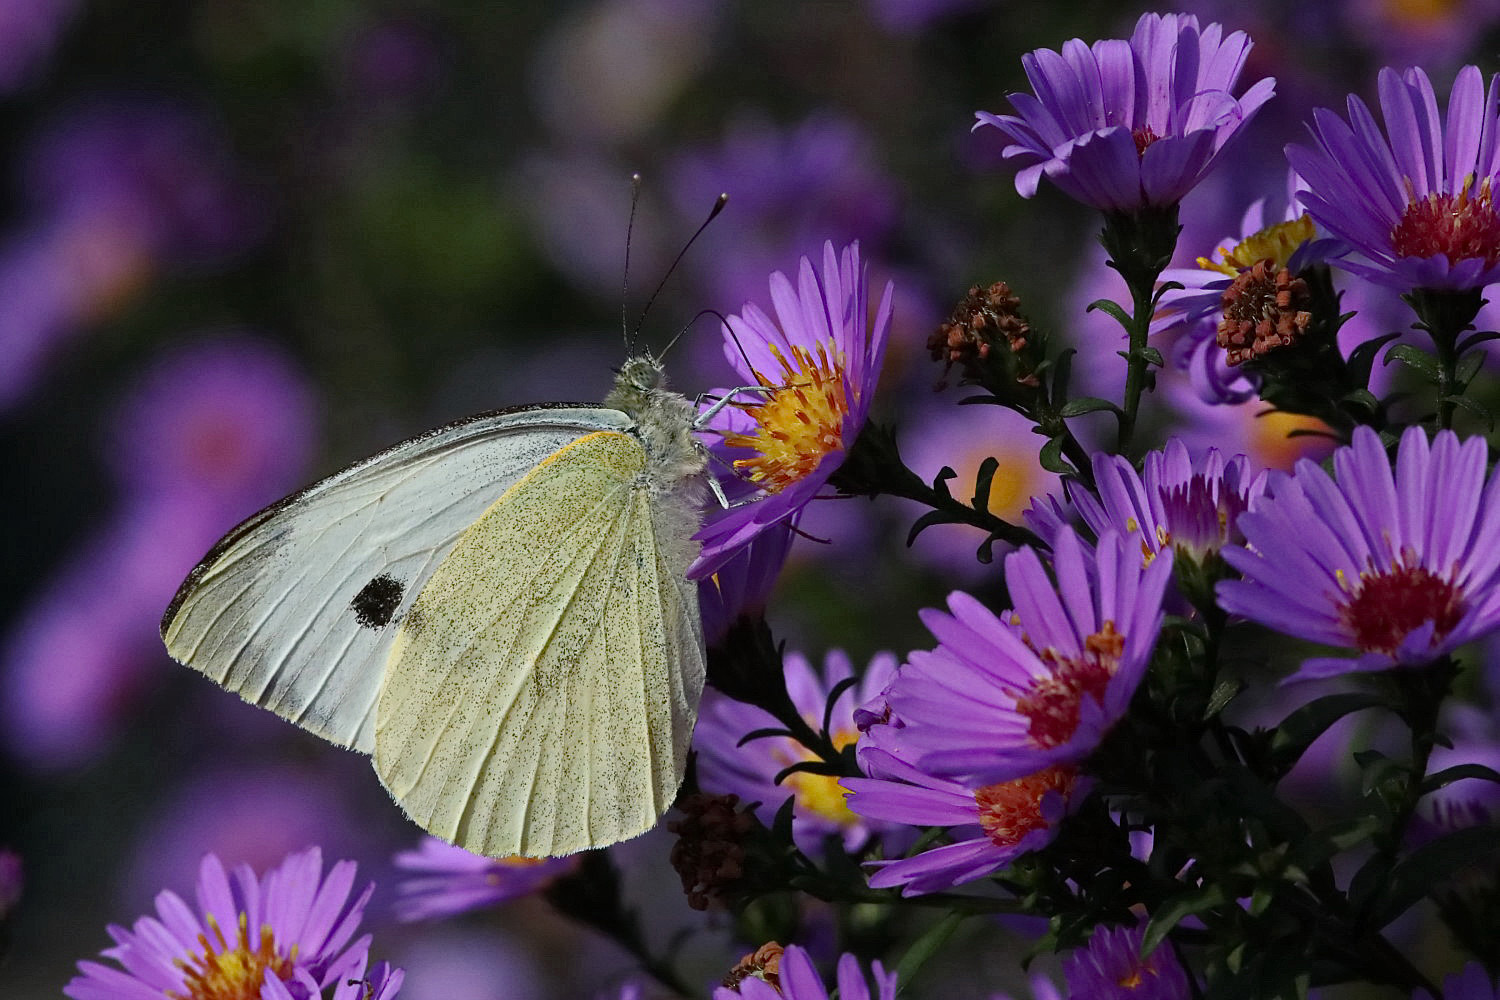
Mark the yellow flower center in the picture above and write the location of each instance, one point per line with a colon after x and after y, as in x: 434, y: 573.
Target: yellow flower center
x: 237, y: 972
x: 799, y: 422
x: 819, y: 794
x: 1276, y: 242
x: 1420, y: 13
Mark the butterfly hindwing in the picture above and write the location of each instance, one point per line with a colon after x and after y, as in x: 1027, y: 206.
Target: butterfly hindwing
x: 296, y: 609
x: 540, y: 695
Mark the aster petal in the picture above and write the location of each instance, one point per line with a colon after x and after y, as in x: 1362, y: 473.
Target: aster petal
x: 799, y: 979
x: 1170, y: 167
x: 1413, y: 141
x: 939, y: 868
x: 1461, y: 139
x: 851, y: 980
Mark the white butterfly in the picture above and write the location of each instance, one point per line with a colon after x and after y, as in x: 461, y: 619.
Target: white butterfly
x: 496, y: 610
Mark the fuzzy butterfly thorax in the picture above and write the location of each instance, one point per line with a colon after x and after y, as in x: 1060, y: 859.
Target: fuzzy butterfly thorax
x: 663, y: 422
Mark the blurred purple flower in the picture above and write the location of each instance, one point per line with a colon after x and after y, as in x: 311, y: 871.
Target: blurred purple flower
x: 823, y: 357
x: 1000, y: 699
x: 228, y: 417
x: 29, y: 32
x: 1402, y: 568
x: 212, y: 433
x: 1434, y: 35
x: 397, y: 61
x: 797, y: 979
x: 1111, y: 968
x: 790, y: 190
x: 749, y: 771
x: 1417, y: 207
x: 989, y: 826
x: 446, y: 880
x: 1125, y: 125
x: 161, y: 174
x: 256, y: 813
x: 284, y: 935
x: 1473, y: 982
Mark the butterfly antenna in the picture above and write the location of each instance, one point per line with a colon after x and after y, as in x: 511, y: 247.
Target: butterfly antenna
x: 713, y: 214
x: 689, y: 325
x: 635, y: 198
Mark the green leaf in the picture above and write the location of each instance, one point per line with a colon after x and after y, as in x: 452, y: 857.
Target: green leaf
x: 1458, y: 772
x: 982, y: 482
x: 1085, y: 404
x: 929, y: 944
x: 1362, y: 358
x: 762, y: 734
x: 1362, y: 399
x: 1051, y: 458
x: 1295, y: 733
x: 928, y: 520
x: 1152, y: 356
x: 1223, y: 693
x: 1467, y: 368
x: 1414, y: 357
x: 1426, y: 868
x: 1482, y: 412
x: 1171, y: 913
x: 1474, y: 340
x: 1114, y: 309
x: 1064, y: 373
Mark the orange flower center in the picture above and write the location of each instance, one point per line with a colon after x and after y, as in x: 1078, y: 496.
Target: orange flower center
x: 1012, y: 809
x: 233, y: 972
x: 798, y: 422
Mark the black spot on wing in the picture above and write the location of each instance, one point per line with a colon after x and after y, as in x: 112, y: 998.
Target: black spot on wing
x: 374, y: 605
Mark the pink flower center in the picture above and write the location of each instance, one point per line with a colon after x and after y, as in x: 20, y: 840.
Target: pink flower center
x: 1463, y: 226
x: 1011, y: 810
x: 1055, y: 699
x: 1386, y: 607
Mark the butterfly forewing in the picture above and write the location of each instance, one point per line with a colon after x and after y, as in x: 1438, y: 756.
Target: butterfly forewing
x: 540, y: 696
x: 297, y: 608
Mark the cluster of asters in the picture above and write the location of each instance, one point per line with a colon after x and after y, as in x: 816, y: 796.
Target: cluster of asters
x: 989, y: 742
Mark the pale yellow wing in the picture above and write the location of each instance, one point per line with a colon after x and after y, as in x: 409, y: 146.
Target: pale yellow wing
x: 540, y: 696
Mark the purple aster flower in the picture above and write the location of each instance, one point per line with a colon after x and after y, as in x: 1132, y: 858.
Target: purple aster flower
x: 742, y: 585
x: 280, y: 936
x: 29, y: 32
x: 446, y: 880
x: 796, y: 978
x: 1401, y: 568
x: 1472, y: 982
x: 1417, y: 208
x: 1190, y: 316
x: 1125, y: 125
x: 749, y: 771
x: 12, y: 882
x: 822, y: 356
x: 998, y: 700
x: 1111, y: 968
x: 988, y: 825
x: 1174, y: 504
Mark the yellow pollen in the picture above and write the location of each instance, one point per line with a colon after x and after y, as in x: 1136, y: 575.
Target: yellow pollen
x: 820, y: 794
x: 225, y: 972
x: 1277, y: 242
x: 1133, y: 980
x: 799, y: 422
x: 1012, y: 809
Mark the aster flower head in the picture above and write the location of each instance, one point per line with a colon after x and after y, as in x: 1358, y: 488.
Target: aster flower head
x: 749, y: 771
x: 1125, y: 125
x: 819, y: 361
x: 281, y: 936
x: 1400, y: 567
x: 989, y: 825
x: 1001, y: 699
x: 1415, y: 204
x: 1174, y: 505
x: 1243, y: 299
x: 791, y: 975
x: 444, y: 880
x: 1111, y: 968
